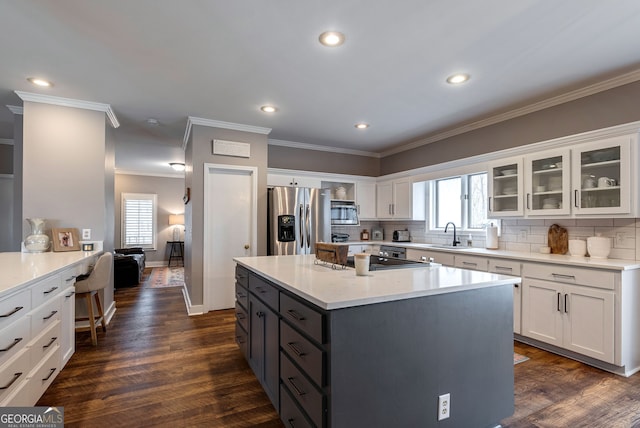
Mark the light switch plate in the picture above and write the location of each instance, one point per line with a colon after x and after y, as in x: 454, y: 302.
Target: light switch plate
x: 86, y: 234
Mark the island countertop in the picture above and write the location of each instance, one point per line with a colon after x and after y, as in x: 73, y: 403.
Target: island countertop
x: 21, y: 269
x: 339, y: 288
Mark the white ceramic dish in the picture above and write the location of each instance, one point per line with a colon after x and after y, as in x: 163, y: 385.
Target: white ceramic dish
x: 599, y: 247
x: 509, y: 171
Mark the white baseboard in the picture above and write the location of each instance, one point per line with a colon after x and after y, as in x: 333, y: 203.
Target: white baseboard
x: 191, y: 309
x: 155, y: 264
x: 108, y: 315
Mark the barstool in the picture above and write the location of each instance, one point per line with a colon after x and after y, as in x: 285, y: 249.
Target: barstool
x: 85, y: 288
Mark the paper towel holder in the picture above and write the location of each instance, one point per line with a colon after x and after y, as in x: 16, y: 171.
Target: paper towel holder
x: 492, y: 237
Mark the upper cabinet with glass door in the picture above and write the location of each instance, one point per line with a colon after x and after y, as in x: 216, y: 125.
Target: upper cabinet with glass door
x: 547, y: 183
x: 505, y: 188
x: 602, y: 177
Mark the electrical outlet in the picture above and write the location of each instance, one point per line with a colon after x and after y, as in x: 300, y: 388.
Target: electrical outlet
x: 523, y: 235
x: 444, y: 406
x: 86, y: 234
x: 619, y: 241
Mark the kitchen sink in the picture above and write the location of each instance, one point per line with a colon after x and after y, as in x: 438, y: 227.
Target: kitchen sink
x: 448, y: 247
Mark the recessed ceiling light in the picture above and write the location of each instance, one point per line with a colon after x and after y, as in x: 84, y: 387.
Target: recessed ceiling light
x: 361, y: 125
x: 152, y: 122
x: 40, y: 82
x: 177, y: 166
x: 268, y: 109
x: 458, y: 78
x: 331, y: 38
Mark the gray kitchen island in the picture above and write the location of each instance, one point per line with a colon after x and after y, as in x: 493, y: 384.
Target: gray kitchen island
x: 396, y: 348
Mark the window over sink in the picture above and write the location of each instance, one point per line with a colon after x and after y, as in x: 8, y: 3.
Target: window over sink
x: 461, y: 199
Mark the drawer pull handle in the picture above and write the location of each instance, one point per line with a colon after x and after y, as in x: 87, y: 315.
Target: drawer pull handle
x: 295, y: 349
x: 504, y: 268
x: 15, y: 378
x: 241, y: 295
x: 559, y: 275
x: 469, y: 264
x: 51, y: 372
x: 70, y: 278
x: 516, y: 285
x: 295, y: 387
x: 70, y: 294
x: 240, y: 315
x: 295, y: 315
x: 53, y: 339
x: 51, y: 290
x: 290, y: 421
x: 15, y: 342
x: 239, y: 340
x: 260, y: 314
x: 261, y: 290
x: 48, y: 317
x: 16, y: 309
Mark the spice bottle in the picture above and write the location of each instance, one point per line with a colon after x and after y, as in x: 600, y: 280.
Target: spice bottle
x: 364, y: 235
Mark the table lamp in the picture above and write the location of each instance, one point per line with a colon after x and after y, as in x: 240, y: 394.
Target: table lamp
x: 176, y: 220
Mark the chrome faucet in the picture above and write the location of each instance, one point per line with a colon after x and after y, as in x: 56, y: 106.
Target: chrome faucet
x: 455, y: 240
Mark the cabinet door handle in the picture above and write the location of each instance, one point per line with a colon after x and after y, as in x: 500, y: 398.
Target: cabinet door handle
x: 576, y: 198
x: 260, y: 314
x: 15, y: 378
x: 295, y: 387
x: 295, y: 349
x: 16, y: 309
x: 50, y: 315
x: 562, y: 276
x: 528, y: 206
x: 290, y: 422
x: 51, y: 372
x: 566, y: 311
x: 53, y: 339
x: 558, y: 305
x: 15, y: 342
x: 295, y: 315
x: 51, y: 290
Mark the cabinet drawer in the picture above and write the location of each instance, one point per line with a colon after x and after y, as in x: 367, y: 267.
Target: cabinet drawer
x: 44, y: 315
x: 44, y: 290
x: 13, y: 373
x: 571, y: 275
x: 68, y: 276
x: 302, y: 390
x: 242, y: 295
x: 14, y: 338
x: 242, y: 339
x: 290, y: 413
x: 44, y: 374
x: 242, y: 317
x: 242, y: 276
x: 309, y: 357
x: 264, y: 291
x: 505, y: 267
x: 45, y: 342
x: 14, y: 307
x: 471, y: 262
x: 302, y: 317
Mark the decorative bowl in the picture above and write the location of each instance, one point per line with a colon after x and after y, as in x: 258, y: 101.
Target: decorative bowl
x: 599, y: 247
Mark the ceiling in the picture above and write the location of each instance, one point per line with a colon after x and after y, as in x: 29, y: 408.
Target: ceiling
x: 222, y: 60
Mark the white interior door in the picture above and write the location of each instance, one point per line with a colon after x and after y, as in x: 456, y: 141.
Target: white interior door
x: 230, y: 212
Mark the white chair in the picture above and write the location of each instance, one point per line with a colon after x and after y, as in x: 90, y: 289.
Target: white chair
x: 98, y: 279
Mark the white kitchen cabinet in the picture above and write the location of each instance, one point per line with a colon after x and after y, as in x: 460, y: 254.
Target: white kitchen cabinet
x: 471, y: 262
x: 547, y: 183
x: 511, y: 267
x: 602, y: 177
x: 366, y: 200
x: 506, y: 188
x: 293, y: 181
x: 394, y: 199
x: 579, y: 318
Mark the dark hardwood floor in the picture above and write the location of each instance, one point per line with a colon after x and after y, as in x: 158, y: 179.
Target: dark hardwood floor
x: 158, y: 367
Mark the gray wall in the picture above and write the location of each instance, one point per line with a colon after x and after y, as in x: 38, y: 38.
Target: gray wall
x: 16, y: 235
x: 198, y: 153
x: 321, y: 161
x: 6, y: 158
x: 169, y: 191
x: 608, y: 108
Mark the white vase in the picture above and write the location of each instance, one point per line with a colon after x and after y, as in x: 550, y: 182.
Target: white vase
x: 36, y: 241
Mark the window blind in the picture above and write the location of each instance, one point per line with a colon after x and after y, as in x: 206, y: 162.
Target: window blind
x: 138, y: 220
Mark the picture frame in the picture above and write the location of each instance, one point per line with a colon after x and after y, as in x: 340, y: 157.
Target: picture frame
x: 65, y: 239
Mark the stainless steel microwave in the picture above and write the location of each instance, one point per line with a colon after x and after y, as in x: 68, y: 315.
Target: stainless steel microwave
x: 344, y: 213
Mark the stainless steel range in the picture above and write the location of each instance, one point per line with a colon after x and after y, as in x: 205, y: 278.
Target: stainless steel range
x: 391, y: 257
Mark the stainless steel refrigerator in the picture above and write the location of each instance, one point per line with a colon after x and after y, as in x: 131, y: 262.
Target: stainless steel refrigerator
x: 297, y: 219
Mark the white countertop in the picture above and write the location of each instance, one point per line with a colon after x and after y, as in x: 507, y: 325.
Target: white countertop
x: 340, y: 288
x: 21, y: 269
x: 611, y: 264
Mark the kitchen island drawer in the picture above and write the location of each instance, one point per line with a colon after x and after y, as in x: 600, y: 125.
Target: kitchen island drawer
x: 305, y: 354
x: 302, y: 390
x: 13, y: 373
x: 266, y: 292
x: 303, y: 317
x: 290, y: 413
x: 242, y: 317
x: 242, y: 339
x: 242, y: 295
x: 15, y: 306
x: 242, y: 276
x: 45, y: 289
x: 571, y: 275
x: 14, y: 338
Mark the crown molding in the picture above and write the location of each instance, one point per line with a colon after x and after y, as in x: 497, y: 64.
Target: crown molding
x: 15, y: 109
x: 306, y: 146
x: 69, y: 102
x: 630, y: 77
x: 220, y: 124
x: 6, y: 141
x: 149, y: 174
